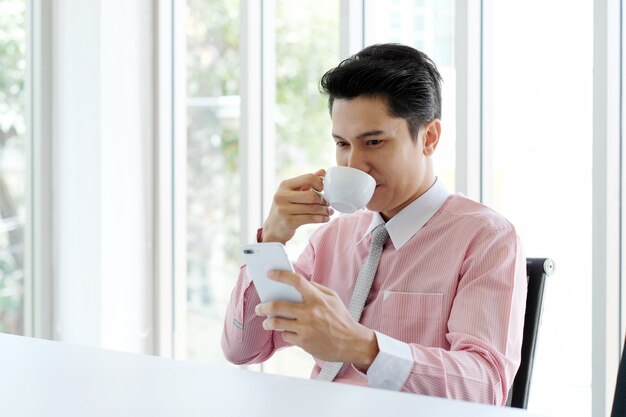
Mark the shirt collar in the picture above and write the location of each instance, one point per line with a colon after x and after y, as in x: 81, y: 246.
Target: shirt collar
x: 410, y: 219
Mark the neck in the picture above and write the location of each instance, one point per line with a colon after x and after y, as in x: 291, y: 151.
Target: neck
x: 428, y: 185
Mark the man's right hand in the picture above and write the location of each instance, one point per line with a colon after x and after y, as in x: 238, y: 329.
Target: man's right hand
x: 296, y: 203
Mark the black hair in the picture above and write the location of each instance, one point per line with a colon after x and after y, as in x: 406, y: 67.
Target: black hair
x: 407, y: 79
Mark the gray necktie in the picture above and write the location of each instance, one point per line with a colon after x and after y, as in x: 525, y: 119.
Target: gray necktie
x: 361, y: 291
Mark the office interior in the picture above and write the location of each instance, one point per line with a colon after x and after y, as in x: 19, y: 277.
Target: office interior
x: 141, y: 143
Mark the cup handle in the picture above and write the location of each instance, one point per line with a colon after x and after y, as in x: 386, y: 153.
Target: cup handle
x: 320, y: 193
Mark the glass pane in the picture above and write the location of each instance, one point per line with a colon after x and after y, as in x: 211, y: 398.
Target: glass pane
x: 212, y: 169
x: 13, y: 163
x: 427, y: 25
x: 307, y: 45
x: 541, y: 178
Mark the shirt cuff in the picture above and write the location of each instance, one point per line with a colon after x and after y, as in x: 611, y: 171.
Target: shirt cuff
x: 393, y: 364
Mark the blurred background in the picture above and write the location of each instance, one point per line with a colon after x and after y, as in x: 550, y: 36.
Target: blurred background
x: 141, y: 143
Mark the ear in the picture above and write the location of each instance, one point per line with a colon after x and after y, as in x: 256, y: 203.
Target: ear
x: 431, y: 136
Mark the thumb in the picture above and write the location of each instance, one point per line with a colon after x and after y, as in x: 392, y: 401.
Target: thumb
x: 320, y: 172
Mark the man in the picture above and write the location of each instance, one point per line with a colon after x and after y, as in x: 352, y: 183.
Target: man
x: 444, y: 314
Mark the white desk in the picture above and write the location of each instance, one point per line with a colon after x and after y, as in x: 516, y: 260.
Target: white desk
x: 40, y: 378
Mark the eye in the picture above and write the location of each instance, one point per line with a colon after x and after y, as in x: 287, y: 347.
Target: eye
x: 374, y: 142
x: 341, y: 144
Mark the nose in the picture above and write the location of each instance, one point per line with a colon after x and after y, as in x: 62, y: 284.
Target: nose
x: 358, y: 160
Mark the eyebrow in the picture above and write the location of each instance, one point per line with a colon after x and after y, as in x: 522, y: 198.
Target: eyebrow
x: 363, y: 135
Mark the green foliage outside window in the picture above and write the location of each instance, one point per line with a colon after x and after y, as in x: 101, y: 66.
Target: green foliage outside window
x: 12, y: 129
x: 303, y: 143
x: 307, y: 45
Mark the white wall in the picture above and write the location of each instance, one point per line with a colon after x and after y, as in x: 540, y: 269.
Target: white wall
x: 102, y: 151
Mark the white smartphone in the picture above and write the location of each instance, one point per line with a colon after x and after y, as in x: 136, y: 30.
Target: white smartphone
x: 262, y: 257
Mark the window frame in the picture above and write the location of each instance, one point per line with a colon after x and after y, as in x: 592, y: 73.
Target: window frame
x: 607, y: 261
x: 37, y: 301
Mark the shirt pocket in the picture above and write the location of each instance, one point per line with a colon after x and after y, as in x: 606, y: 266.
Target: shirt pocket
x: 413, y: 317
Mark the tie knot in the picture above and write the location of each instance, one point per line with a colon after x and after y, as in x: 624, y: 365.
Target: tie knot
x: 379, y: 235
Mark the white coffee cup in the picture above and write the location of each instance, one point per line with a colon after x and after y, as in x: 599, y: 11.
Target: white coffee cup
x: 347, y: 189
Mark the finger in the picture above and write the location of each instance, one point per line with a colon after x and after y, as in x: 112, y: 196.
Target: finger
x: 298, y: 220
x: 320, y: 172
x: 314, y: 218
x: 295, y: 215
x: 306, y: 181
x: 304, y: 197
x: 278, y: 308
x: 280, y: 324
x: 290, y: 337
x: 323, y: 289
x: 291, y: 209
x: 303, y: 286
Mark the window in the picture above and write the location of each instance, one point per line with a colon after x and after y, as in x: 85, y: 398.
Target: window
x: 307, y: 45
x: 427, y: 25
x: 13, y: 164
x: 531, y: 148
x: 540, y: 178
x: 212, y: 171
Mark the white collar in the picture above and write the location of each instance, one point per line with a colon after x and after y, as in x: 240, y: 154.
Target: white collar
x: 410, y: 219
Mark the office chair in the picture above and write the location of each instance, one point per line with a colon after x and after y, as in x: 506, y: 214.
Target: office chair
x: 619, y: 399
x: 537, y: 269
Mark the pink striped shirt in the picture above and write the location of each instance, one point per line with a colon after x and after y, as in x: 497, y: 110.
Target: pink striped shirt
x: 447, y: 303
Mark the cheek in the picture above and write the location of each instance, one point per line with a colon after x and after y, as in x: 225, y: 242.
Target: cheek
x: 341, y: 157
x: 408, y: 170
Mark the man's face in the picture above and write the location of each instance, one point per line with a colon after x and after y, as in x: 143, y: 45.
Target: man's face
x: 369, y: 139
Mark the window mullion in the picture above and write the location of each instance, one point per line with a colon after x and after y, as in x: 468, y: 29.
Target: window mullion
x: 251, y: 127
x: 469, y: 93
x: 268, y: 104
x: 179, y: 180
x: 352, y: 27
x: 38, y: 298
x: 606, y: 204
x: 162, y: 188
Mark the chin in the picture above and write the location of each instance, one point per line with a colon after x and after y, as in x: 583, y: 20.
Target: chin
x: 377, y: 203
x: 374, y: 207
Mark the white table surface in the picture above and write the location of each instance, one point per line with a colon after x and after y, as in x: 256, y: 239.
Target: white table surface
x: 40, y: 378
